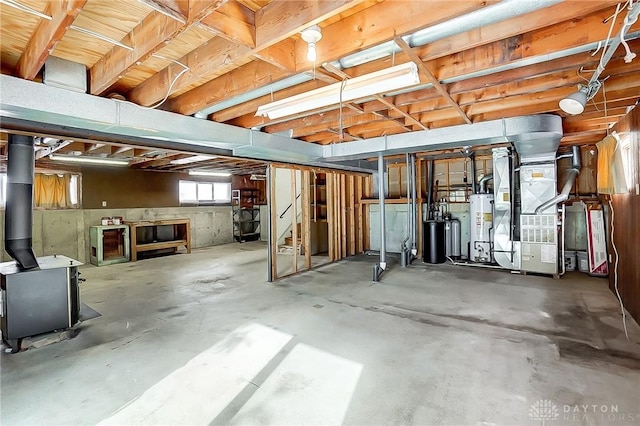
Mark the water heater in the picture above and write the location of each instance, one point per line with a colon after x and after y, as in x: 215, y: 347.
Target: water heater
x: 481, y: 243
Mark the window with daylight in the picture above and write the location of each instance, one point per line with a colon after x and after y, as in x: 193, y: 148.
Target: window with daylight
x: 204, y: 192
x: 50, y: 191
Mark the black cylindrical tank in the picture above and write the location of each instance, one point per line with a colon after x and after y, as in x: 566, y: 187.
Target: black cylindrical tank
x: 434, y: 242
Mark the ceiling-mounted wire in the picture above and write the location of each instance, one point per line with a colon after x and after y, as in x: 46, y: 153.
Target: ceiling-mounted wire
x: 27, y: 9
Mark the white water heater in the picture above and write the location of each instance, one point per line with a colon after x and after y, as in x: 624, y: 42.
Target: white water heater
x: 481, y: 243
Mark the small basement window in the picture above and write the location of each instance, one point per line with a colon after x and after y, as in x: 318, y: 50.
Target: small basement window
x: 205, y: 192
x: 50, y: 190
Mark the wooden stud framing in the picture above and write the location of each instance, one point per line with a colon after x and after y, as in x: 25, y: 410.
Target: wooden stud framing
x: 352, y: 216
x: 306, y: 217
x: 343, y: 216
x: 330, y: 215
x: 361, y: 227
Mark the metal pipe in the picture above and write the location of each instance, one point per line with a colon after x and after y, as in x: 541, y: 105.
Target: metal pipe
x: 408, y: 169
x: 430, y: 189
x: 414, y: 236
x: 474, y: 187
x: 19, y: 208
x: 383, y: 241
x: 270, y: 239
x: 571, y: 178
x: 483, y: 183
x: 629, y: 20
x: 512, y: 198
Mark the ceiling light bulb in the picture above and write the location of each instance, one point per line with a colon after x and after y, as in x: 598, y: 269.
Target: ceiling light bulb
x: 312, y: 35
x: 574, y: 103
x: 312, y: 55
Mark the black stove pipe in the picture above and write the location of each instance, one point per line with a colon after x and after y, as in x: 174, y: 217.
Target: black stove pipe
x: 18, y: 220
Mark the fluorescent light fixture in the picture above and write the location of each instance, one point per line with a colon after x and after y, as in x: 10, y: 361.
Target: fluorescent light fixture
x: 574, y: 103
x: 208, y: 173
x: 193, y: 159
x: 382, y: 81
x: 89, y: 160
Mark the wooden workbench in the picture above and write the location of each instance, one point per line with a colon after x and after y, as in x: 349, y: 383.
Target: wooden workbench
x: 145, y: 235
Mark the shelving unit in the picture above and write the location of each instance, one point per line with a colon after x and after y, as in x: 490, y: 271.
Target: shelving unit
x: 246, y: 216
x: 319, y: 198
x: 109, y: 244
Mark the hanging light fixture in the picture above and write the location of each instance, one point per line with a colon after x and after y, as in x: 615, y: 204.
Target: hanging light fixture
x: 574, y: 103
x: 382, y: 81
x: 312, y: 35
x: 106, y: 161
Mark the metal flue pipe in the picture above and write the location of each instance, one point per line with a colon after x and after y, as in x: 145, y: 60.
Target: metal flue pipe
x: 383, y: 240
x: 483, y: 183
x: 19, y: 209
x: 474, y: 187
x: 576, y: 165
x: 414, y: 236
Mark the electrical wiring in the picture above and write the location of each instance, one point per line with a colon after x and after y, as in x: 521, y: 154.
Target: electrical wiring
x: 615, y: 272
x: 630, y: 56
x: 606, y: 43
x: 169, y: 90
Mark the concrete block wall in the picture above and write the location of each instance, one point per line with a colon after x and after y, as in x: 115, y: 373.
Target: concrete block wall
x: 66, y: 232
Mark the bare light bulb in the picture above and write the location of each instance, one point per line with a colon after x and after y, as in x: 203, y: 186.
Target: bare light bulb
x: 312, y: 55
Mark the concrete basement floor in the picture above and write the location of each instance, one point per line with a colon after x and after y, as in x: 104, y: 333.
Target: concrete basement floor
x: 202, y: 338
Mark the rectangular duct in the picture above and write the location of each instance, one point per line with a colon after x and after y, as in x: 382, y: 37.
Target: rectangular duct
x: 506, y: 251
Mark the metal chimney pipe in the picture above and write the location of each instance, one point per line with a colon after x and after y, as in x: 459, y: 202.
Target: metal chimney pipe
x: 19, y: 209
x: 383, y: 240
x: 414, y: 236
x: 576, y: 165
x: 474, y: 187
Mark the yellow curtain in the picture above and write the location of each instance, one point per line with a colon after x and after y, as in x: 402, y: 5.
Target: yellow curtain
x: 52, y: 191
x: 611, y: 179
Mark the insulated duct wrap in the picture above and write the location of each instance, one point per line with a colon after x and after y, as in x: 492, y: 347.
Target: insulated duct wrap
x: 506, y: 251
x: 19, y: 209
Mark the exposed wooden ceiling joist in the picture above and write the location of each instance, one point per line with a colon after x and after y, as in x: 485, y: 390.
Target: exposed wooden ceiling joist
x: 46, y: 35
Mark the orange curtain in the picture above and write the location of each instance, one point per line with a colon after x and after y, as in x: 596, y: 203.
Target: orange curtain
x: 611, y: 179
x: 52, y: 191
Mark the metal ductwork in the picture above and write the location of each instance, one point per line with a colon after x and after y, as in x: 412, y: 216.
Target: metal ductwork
x: 19, y: 209
x: 576, y: 165
x: 506, y: 251
x: 483, y: 183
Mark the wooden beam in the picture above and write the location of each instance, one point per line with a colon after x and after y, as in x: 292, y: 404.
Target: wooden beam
x: 432, y: 79
x: 234, y: 83
x: 282, y: 19
x: 198, y: 9
x: 336, y: 41
x: 146, y: 38
x: 252, y: 105
x: 46, y: 35
x: 271, y: 28
x: 218, y: 55
x: 177, y: 9
x: 380, y: 23
x: 234, y: 22
x: 343, y: 75
x: 279, y: 55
